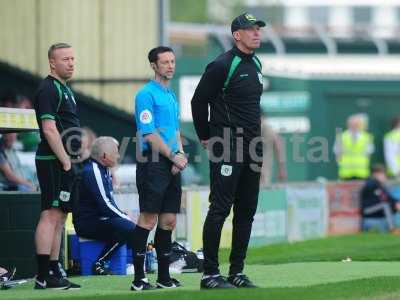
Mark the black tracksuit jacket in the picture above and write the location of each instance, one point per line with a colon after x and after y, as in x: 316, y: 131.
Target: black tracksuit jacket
x: 237, y: 107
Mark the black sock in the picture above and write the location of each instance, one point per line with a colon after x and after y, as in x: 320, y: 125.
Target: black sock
x: 43, y: 261
x: 53, y: 266
x: 138, y: 241
x: 108, y: 251
x: 162, y: 243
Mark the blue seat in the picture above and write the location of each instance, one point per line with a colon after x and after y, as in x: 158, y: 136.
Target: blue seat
x: 91, y: 249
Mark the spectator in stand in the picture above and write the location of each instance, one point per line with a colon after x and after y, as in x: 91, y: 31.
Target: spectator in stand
x: 272, y: 148
x: 391, y: 148
x: 88, y: 137
x: 23, y: 102
x: 28, y: 139
x: 8, y: 99
x: 11, y: 171
x: 377, y: 204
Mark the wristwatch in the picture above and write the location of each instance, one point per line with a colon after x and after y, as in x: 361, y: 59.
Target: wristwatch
x: 175, y: 153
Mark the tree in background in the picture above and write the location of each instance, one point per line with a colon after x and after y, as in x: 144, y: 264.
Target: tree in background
x: 188, y: 11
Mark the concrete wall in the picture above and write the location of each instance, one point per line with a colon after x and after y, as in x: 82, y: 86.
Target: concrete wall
x: 110, y: 38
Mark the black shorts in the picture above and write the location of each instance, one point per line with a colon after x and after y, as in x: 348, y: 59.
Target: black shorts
x: 159, y: 190
x: 56, y: 185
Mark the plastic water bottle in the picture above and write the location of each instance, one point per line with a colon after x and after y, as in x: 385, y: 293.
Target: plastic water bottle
x: 149, y: 259
x: 154, y: 262
x: 200, y: 254
x: 130, y: 270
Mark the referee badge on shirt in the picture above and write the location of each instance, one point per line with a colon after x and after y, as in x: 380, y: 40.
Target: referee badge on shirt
x: 226, y: 170
x: 145, y: 116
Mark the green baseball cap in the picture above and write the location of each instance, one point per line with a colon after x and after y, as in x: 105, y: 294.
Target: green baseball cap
x: 244, y: 21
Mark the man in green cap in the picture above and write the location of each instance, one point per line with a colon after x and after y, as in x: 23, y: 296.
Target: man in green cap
x: 229, y: 92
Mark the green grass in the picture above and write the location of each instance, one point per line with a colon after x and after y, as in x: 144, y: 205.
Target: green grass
x: 361, y: 247
x: 117, y: 288
x: 306, y: 270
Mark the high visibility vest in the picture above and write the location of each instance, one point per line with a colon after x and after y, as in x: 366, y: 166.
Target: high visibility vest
x: 354, y: 160
x: 394, y: 137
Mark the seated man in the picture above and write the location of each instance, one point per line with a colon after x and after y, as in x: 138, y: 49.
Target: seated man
x: 11, y: 171
x: 97, y: 216
x: 377, y: 205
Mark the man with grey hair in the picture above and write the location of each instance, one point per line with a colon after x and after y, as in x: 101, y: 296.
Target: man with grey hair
x: 56, y: 115
x: 104, y: 145
x: 97, y: 216
x: 227, y: 100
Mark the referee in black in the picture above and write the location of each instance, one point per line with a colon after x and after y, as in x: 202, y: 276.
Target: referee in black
x: 231, y: 87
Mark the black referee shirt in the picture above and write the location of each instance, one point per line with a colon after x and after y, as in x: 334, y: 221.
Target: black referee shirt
x: 55, y: 101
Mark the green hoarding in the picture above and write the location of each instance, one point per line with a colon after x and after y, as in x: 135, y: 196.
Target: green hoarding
x: 269, y: 224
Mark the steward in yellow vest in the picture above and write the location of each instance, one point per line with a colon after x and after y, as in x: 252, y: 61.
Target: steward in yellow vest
x: 355, y: 158
x: 391, y: 148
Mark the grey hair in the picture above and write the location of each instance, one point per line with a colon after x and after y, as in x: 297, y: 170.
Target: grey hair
x: 102, y: 145
x: 55, y: 47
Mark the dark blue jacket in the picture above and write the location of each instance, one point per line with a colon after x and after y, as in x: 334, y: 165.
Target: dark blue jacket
x: 96, y: 199
x: 373, y: 192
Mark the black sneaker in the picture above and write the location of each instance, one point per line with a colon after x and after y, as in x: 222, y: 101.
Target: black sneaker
x: 73, y: 286
x: 58, y: 272
x: 52, y: 282
x: 141, y: 285
x: 168, y: 284
x: 61, y: 274
x: 241, y: 281
x: 176, y: 282
x: 99, y: 268
x: 215, y: 282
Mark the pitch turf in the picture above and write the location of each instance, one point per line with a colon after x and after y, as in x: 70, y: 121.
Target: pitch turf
x: 306, y: 270
x: 361, y: 247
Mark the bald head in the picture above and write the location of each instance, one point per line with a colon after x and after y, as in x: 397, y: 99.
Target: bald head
x: 105, y: 151
x: 357, y: 122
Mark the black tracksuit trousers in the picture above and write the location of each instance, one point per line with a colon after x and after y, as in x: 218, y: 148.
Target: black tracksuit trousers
x: 231, y: 184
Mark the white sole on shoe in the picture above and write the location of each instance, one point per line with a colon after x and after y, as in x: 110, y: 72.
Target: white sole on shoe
x: 161, y: 286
